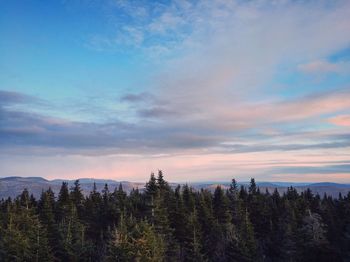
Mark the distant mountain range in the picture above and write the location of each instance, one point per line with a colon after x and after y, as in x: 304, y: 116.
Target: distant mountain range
x: 13, y: 186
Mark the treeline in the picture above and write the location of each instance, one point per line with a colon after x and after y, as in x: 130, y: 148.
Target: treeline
x: 181, y: 224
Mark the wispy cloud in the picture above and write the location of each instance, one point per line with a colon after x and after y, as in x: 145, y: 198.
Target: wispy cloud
x: 340, y: 120
x: 11, y: 98
x: 325, y: 169
x: 185, y: 24
x: 182, y: 132
x: 136, y: 98
x: 323, y: 66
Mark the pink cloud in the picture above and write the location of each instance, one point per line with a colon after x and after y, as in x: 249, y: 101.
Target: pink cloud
x: 341, y: 120
x: 284, y: 111
x: 191, y: 167
x: 320, y: 66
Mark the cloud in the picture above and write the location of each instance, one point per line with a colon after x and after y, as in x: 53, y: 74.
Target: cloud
x: 136, y: 98
x: 10, y: 97
x: 147, y: 105
x: 325, y: 169
x: 313, y: 27
x: 211, y: 92
x: 179, y: 167
x: 286, y: 147
x: 219, y: 82
x: 24, y: 130
x: 222, y: 85
x: 340, y: 120
x: 170, y: 129
x: 323, y: 66
x: 157, y: 112
x: 313, y: 105
x: 166, y: 22
x: 241, y: 115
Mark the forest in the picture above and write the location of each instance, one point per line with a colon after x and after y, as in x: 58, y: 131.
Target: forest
x: 161, y: 223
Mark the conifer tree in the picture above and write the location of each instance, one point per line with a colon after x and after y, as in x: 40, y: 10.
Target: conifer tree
x: 77, y: 197
x: 22, y: 237
x: 151, y: 192
x: 181, y: 224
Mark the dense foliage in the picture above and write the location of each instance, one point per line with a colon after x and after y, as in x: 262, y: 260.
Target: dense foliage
x: 181, y: 224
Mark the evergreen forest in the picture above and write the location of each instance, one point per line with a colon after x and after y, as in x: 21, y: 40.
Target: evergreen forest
x: 163, y: 223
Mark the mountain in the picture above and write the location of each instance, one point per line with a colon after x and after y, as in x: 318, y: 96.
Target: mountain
x: 332, y: 189
x: 13, y: 186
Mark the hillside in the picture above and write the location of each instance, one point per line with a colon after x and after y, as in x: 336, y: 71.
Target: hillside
x: 13, y: 186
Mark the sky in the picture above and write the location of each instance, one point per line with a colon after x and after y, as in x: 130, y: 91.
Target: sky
x: 203, y: 90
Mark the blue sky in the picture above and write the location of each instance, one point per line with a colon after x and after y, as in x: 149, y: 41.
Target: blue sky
x: 204, y: 90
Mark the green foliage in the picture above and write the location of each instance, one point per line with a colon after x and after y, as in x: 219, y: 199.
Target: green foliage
x: 135, y: 242
x: 22, y: 237
x: 161, y: 223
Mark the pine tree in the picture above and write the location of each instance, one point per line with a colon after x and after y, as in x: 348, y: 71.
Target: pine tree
x: 151, y: 192
x: 135, y: 242
x: 77, y: 198
x: 181, y: 224
x: 221, y: 206
x: 162, y: 226
x: 46, y: 210
x: 95, y: 230
x: 63, y: 203
x: 252, y: 187
x: 22, y: 237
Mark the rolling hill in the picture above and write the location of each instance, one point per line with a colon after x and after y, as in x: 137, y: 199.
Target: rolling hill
x: 13, y: 186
